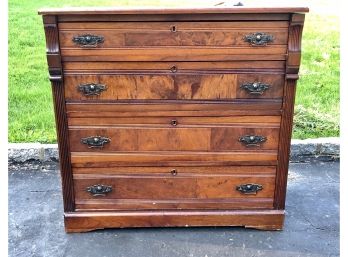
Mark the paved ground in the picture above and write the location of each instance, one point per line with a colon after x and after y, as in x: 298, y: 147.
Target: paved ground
x: 311, y: 227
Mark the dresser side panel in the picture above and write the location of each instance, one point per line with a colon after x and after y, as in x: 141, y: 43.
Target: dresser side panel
x: 292, y: 68
x: 55, y: 72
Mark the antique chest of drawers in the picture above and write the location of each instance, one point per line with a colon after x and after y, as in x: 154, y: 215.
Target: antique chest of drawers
x: 173, y: 117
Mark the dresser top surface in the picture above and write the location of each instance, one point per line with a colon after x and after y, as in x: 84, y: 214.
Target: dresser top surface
x: 218, y: 7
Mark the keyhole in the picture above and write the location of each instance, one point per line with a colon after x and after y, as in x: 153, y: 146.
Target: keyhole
x: 173, y: 28
x: 173, y: 69
x: 174, y: 122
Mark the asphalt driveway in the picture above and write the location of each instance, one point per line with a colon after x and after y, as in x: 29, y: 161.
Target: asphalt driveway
x: 311, y: 225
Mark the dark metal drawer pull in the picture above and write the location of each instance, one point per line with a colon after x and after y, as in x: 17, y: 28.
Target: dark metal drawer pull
x: 99, y: 190
x: 249, y: 189
x: 88, y: 40
x: 95, y: 141
x: 258, y: 38
x: 252, y: 140
x: 174, y: 172
x: 91, y: 89
x: 255, y: 88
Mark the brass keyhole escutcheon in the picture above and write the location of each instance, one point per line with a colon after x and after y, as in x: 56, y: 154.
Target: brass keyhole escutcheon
x: 174, y: 123
x: 174, y: 172
x: 173, y: 28
x: 174, y: 69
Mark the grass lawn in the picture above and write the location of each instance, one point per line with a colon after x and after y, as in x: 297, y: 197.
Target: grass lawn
x: 31, y: 117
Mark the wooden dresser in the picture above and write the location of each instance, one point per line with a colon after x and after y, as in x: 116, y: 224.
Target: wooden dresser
x: 174, y: 117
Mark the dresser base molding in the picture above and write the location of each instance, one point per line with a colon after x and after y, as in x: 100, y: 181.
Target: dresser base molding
x: 87, y: 221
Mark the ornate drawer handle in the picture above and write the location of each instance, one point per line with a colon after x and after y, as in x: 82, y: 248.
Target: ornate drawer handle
x: 174, y: 172
x: 249, y: 189
x: 252, y: 140
x: 88, y: 40
x: 255, y: 88
x: 91, y: 89
x: 258, y: 38
x: 95, y: 142
x: 99, y: 190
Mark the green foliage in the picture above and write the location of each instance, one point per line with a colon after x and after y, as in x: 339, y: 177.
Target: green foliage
x: 31, y: 117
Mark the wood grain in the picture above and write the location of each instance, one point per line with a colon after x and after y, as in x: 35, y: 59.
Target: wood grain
x: 202, y: 94
x: 231, y: 66
x: 166, y: 26
x: 174, y: 109
x: 164, y: 158
x: 166, y: 121
x: 52, y: 48
x: 259, y: 219
x: 176, y: 204
x: 295, y: 34
x: 140, y: 34
x: 173, y: 187
x: 222, y: 170
x: 178, y: 86
x: 182, y: 138
x: 284, y: 144
x: 55, y: 72
x: 275, y: 52
x: 294, y: 46
x: 174, y: 17
x: 117, y: 39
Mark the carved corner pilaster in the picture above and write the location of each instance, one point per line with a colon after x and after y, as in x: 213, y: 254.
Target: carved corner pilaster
x: 52, y: 47
x: 294, y: 44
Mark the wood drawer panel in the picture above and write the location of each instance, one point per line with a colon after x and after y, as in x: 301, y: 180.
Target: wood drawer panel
x: 153, y: 34
x: 186, y: 170
x: 95, y: 67
x: 166, y: 26
x: 179, y: 86
x: 174, y: 109
x: 100, y: 203
x: 169, y: 187
x: 167, y: 121
x: 201, y: 138
x: 276, y: 52
x: 172, y: 158
x: 187, y: 204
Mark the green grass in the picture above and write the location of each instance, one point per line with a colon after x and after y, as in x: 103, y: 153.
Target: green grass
x: 31, y: 117
x: 317, y: 97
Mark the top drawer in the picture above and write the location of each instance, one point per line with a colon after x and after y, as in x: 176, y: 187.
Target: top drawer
x: 154, y: 41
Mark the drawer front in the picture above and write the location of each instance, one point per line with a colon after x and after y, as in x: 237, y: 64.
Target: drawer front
x: 188, y: 158
x: 189, y: 187
x: 184, y: 138
x: 176, y: 121
x: 153, y: 34
x: 192, y: 86
x: 183, y: 41
x: 97, y: 67
x: 175, y: 109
